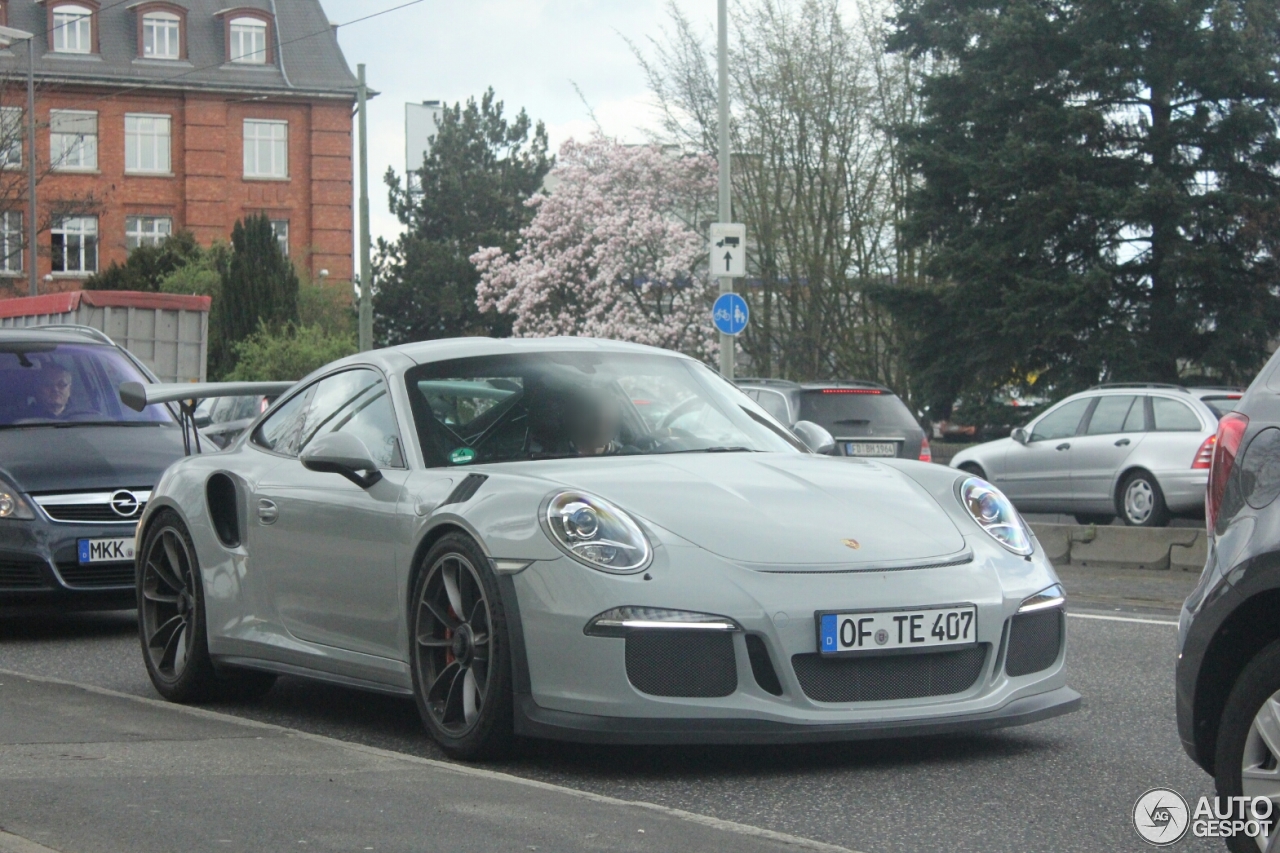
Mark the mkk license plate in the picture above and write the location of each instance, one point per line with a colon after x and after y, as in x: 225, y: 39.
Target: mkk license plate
x: 870, y: 448
x: 843, y: 633
x: 106, y: 551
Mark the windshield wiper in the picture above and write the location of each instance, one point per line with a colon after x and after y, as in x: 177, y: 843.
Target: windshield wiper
x: 735, y: 449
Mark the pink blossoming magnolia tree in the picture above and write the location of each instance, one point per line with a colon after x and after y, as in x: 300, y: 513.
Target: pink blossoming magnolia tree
x: 615, y: 250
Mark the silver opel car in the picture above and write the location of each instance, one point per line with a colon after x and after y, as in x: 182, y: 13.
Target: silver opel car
x: 1140, y: 452
x: 595, y: 541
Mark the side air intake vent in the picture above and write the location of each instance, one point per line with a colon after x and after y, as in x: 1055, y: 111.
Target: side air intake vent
x: 223, y: 509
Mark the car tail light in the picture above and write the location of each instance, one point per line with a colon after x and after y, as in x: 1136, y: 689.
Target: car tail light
x: 1204, y: 456
x: 926, y: 452
x: 1226, y: 445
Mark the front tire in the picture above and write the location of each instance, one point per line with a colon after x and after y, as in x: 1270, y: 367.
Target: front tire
x: 171, y: 622
x: 973, y: 468
x: 461, y: 657
x: 1247, y: 759
x: 1140, y: 502
x: 1096, y: 518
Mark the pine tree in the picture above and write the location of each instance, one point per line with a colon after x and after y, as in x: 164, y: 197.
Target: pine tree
x: 259, y: 290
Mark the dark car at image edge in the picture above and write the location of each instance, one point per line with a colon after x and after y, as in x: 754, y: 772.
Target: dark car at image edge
x: 73, y: 485
x: 1228, y: 669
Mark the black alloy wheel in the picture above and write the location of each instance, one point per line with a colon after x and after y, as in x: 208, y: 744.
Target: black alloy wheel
x: 171, y: 623
x: 460, y: 658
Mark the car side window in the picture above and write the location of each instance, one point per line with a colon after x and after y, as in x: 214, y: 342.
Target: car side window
x: 1111, y: 414
x: 356, y: 402
x: 775, y: 404
x: 1137, y: 419
x: 1061, y: 422
x: 282, y: 432
x: 1174, y: 416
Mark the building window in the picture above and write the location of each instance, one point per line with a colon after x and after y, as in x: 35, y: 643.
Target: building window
x: 248, y: 41
x: 146, y: 143
x: 73, y: 140
x: 161, y: 35
x: 146, y: 230
x: 10, y: 241
x: 281, y: 227
x: 266, y: 149
x: 75, y: 244
x: 72, y: 29
x: 12, y: 130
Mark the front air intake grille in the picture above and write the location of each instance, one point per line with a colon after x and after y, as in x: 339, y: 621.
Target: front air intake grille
x: 762, y: 665
x: 90, y: 513
x: 21, y: 574
x: 1035, y: 640
x: 96, y: 576
x: 699, y: 664
x: 886, y: 677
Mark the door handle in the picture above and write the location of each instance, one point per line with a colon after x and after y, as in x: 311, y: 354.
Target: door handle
x: 1124, y: 442
x: 1064, y: 446
x: 268, y: 512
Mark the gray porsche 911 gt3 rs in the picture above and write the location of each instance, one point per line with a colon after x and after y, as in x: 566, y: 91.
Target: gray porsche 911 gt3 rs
x: 592, y: 541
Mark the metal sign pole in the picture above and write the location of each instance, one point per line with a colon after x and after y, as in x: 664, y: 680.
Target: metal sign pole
x: 366, y: 246
x: 726, y: 198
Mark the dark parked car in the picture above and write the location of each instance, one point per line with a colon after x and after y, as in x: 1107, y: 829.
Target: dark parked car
x: 865, y: 419
x: 1228, y: 681
x: 76, y: 467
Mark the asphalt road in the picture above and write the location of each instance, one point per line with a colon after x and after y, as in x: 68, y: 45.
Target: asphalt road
x: 1067, y: 783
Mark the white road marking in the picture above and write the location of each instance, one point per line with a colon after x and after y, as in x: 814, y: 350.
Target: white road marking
x: 1102, y: 618
x: 681, y: 814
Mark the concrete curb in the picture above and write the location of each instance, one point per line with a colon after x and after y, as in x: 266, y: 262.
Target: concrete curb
x: 1112, y: 547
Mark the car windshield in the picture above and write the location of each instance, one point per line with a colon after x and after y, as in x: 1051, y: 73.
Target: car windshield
x: 1222, y: 405
x: 45, y: 384
x: 564, y: 405
x: 839, y: 408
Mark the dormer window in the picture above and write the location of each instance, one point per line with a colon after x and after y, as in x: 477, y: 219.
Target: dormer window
x: 248, y: 41
x: 161, y: 35
x: 72, y: 29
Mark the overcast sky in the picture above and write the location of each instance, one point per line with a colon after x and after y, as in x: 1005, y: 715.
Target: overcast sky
x: 530, y: 51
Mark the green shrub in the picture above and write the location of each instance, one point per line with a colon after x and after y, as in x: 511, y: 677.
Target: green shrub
x: 289, y: 353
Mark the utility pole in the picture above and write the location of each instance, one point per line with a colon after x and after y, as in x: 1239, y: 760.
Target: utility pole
x: 366, y: 246
x: 727, y: 343
x: 33, y: 228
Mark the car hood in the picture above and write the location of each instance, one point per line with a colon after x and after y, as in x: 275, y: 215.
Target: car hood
x: 87, y: 458
x: 784, y: 510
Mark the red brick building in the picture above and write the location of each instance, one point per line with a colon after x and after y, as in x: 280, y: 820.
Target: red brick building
x: 164, y: 115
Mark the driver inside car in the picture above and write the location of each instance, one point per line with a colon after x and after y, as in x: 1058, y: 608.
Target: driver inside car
x: 593, y: 420
x: 52, y: 394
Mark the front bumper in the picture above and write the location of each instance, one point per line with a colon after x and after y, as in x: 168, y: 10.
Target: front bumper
x: 579, y: 687
x: 39, y: 565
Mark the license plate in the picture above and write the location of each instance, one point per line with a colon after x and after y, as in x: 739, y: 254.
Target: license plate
x: 870, y: 448
x: 106, y: 551
x: 844, y: 633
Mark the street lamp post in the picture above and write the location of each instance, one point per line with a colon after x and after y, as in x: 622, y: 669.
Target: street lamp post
x: 727, y: 343
x: 9, y: 35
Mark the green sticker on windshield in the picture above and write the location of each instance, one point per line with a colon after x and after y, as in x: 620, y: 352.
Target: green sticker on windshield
x: 462, y: 456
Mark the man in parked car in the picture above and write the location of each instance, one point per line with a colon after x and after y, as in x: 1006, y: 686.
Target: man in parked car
x: 52, y: 394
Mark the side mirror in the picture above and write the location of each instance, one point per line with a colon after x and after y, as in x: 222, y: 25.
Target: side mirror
x: 1019, y: 435
x: 342, y: 453
x: 815, y: 437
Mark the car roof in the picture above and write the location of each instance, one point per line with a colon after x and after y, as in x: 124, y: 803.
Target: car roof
x: 55, y: 335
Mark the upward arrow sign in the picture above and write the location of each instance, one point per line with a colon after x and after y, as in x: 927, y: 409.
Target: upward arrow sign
x: 728, y: 261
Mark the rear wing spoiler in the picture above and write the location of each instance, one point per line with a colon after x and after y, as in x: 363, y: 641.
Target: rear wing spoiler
x: 138, y: 396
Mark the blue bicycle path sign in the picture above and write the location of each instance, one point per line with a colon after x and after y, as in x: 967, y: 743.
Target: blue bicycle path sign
x: 730, y: 314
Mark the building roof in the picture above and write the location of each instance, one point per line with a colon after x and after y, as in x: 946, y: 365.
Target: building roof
x: 307, y: 58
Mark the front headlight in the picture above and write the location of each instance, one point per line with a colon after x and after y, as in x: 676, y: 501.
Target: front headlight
x: 597, y: 533
x: 995, y: 514
x: 12, y: 506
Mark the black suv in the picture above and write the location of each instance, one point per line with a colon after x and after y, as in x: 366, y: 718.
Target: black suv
x: 76, y: 467
x: 865, y: 419
x: 1228, y: 679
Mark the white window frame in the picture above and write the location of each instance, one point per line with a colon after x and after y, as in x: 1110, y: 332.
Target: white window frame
x: 12, y: 134
x: 72, y: 29
x: 281, y: 229
x: 266, y: 149
x: 73, y: 152
x: 250, y: 30
x: 158, y: 24
x: 80, y: 259
x: 146, y: 230
x: 143, y: 133
x: 11, y: 242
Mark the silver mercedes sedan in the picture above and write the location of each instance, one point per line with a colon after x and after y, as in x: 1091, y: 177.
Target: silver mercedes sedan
x: 1140, y: 452
x: 592, y: 541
